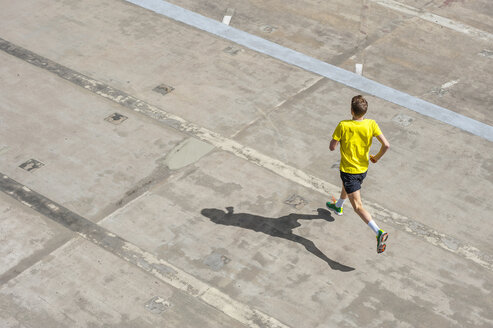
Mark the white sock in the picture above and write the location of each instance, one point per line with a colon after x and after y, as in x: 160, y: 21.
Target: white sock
x: 340, y: 202
x: 373, y: 226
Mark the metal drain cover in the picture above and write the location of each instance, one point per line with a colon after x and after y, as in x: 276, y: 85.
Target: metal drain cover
x: 116, y: 118
x: 31, y: 165
x: 163, y: 89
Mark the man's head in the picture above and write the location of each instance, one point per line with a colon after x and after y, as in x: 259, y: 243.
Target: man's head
x: 359, y: 106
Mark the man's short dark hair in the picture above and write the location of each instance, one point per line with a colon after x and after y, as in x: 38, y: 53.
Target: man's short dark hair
x: 359, y: 105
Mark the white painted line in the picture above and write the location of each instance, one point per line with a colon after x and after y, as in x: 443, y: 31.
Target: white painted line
x: 53, y: 207
x: 359, y: 69
x: 26, y: 203
x: 319, y: 67
x: 436, y: 19
x: 228, y: 15
x: 449, y: 84
x: 226, y: 20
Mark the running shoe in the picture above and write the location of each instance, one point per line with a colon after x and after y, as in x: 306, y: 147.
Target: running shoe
x: 333, y: 206
x: 381, y: 239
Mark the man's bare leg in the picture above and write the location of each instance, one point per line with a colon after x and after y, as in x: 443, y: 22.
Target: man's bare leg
x: 382, y: 236
x: 355, y: 199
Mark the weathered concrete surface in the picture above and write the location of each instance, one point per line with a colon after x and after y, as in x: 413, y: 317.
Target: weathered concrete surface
x: 394, y: 47
x: 425, y: 158
x: 144, y: 50
x: 257, y: 248
x: 25, y: 237
x: 82, y: 285
x: 330, y: 270
x: 67, y: 132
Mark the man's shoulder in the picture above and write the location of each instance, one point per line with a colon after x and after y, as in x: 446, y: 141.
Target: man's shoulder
x: 345, y: 122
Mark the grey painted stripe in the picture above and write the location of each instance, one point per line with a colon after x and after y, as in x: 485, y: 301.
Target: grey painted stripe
x: 316, y: 66
x: 129, y: 252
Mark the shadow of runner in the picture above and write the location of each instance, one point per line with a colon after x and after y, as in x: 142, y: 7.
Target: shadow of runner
x: 281, y: 227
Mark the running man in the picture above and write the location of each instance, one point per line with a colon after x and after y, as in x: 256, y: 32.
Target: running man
x: 355, y: 137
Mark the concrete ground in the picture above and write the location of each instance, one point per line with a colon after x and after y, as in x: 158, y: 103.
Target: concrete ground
x: 156, y: 175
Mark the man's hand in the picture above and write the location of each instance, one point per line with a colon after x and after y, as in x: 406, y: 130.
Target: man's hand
x: 383, y: 149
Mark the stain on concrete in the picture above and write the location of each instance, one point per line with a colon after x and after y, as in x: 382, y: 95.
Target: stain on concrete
x: 410, y: 312
x: 402, y: 120
x: 487, y: 168
x: 296, y: 201
x: 261, y: 259
x: 157, y: 305
x: 233, y: 51
x: 186, y: 153
x: 249, y: 273
x: 298, y: 280
x: 216, y: 185
x: 268, y: 28
x: 261, y: 203
x: 216, y: 260
x: 448, y: 3
x: 476, y: 309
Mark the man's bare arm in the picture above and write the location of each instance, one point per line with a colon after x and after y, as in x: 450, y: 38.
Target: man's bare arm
x: 333, y: 144
x: 385, y: 146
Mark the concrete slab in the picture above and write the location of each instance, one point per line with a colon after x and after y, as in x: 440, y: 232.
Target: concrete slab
x: 25, y: 237
x: 244, y: 224
x: 330, y: 31
x: 452, y: 164
x: 392, y: 45
x: 82, y: 285
x: 73, y: 140
x: 140, y: 50
x: 411, y: 61
x: 216, y: 220
x: 478, y: 13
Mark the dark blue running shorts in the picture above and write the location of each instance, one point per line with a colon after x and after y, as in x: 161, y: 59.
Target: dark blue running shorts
x: 352, y: 182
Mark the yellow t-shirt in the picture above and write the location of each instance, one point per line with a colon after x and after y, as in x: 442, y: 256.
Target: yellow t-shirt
x: 355, y: 138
